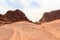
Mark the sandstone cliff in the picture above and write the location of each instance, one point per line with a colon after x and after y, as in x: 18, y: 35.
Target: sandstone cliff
x: 13, y: 16
x: 50, y: 16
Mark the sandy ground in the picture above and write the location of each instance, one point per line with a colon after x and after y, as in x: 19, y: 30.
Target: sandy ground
x: 30, y: 31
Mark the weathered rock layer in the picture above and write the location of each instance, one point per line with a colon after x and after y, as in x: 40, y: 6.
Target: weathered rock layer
x: 50, y: 16
x: 13, y: 16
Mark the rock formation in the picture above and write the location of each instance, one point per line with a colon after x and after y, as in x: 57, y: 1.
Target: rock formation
x: 50, y: 16
x: 16, y: 15
x: 13, y: 16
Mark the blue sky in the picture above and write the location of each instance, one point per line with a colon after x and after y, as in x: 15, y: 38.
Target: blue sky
x: 33, y: 9
x: 20, y: 4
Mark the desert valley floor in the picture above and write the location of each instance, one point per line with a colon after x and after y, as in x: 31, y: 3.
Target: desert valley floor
x: 28, y: 31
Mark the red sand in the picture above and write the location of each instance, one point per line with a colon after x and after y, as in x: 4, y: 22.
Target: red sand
x: 28, y: 31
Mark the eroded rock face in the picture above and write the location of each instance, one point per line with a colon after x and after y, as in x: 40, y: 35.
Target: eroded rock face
x: 16, y: 15
x: 13, y: 16
x: 1, y: 17
x: 50, y: 16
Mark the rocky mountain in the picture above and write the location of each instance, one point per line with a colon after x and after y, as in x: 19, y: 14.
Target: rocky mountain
x: 13, y: 16
x: 18, y: 15
x: 50, y: 16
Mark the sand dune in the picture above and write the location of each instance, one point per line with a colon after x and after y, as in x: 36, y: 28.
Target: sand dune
x: 28, y: 31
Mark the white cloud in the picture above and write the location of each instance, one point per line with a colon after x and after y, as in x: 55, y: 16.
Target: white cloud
x: 2, y: 0
x: 49, y: 5
x: 4, y: 9
x: 25, y: 3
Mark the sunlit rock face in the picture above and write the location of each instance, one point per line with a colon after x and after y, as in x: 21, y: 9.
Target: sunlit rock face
x: 50, y: 16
